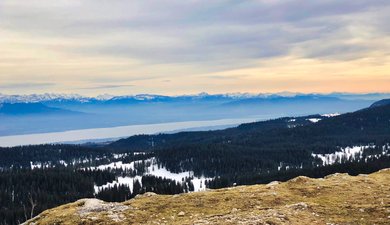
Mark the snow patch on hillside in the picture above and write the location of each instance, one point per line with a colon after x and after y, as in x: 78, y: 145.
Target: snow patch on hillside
x: 314, y: 120
x: 331, y: 115
x: 116, y: 165
x: 348, y: 153
x: 129, y: 181
x: 154, y: 170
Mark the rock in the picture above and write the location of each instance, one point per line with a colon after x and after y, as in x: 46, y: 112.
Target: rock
x: 116, y: 217
x: 300, y: 180
x: 338, y: 175
x: 147, y: 194
x: 181, y: 213
x: 384, y: 170
x: 273, y: 183
x: 298, y: 206
x: 93, y: 205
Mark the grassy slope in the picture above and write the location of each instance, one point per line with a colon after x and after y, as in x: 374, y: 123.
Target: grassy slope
x: 337, y: 199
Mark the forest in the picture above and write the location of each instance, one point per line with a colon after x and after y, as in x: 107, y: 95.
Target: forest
x: 35, y: 178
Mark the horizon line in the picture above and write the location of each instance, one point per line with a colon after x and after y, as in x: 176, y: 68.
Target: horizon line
x: 281, y: 93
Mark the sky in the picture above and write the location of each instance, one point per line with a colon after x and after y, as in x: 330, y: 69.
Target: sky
x: 176, y: 47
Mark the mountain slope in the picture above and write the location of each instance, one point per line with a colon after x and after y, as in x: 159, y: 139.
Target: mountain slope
x: 383, y: 102
x: 337, y: 199
x: 254, y: 148
x: 167, y: 140
x: 18, y: 109
x: 369, y: 121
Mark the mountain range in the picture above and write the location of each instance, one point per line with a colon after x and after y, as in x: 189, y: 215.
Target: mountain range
x: 18, y: 109
x: 52, y: 97
x: 28, y: 114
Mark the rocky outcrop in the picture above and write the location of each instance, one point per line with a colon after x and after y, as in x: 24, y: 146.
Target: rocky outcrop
x: 336, y: 199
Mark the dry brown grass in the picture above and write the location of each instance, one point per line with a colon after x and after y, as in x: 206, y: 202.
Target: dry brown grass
x: 337, y: 199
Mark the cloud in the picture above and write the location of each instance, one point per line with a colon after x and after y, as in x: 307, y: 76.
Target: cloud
x: 228, y: 77
x: 170, y: 39
x: 109, y: 86
x: 26, y: 85
x: 194, y: 32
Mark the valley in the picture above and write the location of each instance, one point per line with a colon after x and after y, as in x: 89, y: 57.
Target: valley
x: 194, y: 161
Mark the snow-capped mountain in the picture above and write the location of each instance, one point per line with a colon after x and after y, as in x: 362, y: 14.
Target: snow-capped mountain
x: 54, y: 97
x: 35, y: 98
x: 58, y: 112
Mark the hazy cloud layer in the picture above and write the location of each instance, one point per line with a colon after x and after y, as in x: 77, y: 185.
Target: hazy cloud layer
x: 109, y: 86
x: 22, y: 85
x: 75, y: 43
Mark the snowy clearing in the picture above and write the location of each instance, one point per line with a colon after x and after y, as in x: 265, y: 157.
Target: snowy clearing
x: 314, y: 120
x: 331, y: 115
x: 154, y: 170
x: 349, y: 153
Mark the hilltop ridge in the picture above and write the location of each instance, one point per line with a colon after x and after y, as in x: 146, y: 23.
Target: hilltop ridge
x: 336, y: 199
x: 383, y: 102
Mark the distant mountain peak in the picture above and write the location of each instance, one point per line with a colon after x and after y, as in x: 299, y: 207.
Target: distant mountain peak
x: 105, y: 97
x: 34, y: 98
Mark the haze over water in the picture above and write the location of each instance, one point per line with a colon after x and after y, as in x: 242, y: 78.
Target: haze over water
x: 85, y: 135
